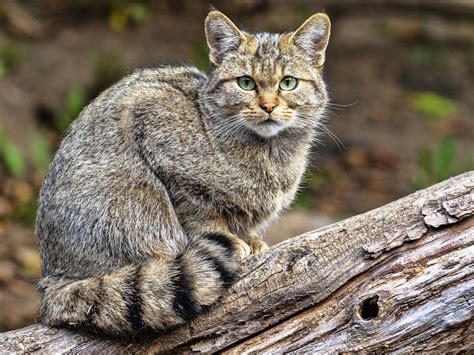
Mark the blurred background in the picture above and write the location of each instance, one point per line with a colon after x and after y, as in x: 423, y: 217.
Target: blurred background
x: 400, y: 75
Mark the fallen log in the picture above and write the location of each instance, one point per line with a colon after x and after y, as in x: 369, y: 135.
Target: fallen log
x: 397, y: 278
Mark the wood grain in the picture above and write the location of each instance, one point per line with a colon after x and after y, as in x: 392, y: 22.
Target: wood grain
x: 397, y: 278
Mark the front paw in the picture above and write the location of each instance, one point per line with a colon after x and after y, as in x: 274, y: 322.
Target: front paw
x: 242, y: 248
x: 258, y: 245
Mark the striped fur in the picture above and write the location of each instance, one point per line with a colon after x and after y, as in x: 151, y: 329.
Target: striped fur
x: 167, y: 180
x: 158, y: 294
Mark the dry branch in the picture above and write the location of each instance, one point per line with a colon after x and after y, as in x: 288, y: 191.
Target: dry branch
x: 398, y: 278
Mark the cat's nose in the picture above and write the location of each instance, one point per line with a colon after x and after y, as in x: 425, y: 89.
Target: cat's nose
x: 268, y: 106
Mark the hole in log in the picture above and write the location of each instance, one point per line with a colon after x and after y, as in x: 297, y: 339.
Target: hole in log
x: 369, y: 308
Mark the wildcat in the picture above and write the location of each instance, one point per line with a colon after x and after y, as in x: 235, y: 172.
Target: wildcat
x: 168, y: 179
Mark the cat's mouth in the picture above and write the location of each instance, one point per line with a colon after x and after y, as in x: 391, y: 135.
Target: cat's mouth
x: 268, y: 122
x: 267, y: 127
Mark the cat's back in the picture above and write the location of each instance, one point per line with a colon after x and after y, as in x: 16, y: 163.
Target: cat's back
x: 161, y: 85
x: 164, y: 86
x: 103, y: 138
x: 165, y: 94
x: 183, y: 79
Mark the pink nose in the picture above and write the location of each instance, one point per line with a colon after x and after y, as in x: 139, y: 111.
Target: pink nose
x: 268, y: 106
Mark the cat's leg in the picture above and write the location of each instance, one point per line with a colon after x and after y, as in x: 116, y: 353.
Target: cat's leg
x: 257, y: 244
x: 250, y: 244
x: 220, y: 226
x: 243, y: 249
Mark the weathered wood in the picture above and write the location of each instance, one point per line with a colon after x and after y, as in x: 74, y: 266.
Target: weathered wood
x: 398, y: 278
x: 417, y: 300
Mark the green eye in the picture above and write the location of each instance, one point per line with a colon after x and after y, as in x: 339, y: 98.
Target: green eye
x: 288, y: 83
x: 246, y: 83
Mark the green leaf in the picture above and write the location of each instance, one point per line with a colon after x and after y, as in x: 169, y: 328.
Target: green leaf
x: 75, y: 101
x: 425, y: 160
x: 139, y: 13
x: 3, y: 67
x: 437, y: 164
x: 305, y: 201
x: 118, y: 19
x: 12, y: 52
x: 41, y: 152
x: 445, y: 158
x: 25, y: 213
x: 200, y: 56
x: 13, y: 160
x: 3, y: 138
x: 432, y: 105
x: 424, y: 173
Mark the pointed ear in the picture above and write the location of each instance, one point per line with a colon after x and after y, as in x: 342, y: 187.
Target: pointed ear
x: 313, y: 36
x: 222, y: 36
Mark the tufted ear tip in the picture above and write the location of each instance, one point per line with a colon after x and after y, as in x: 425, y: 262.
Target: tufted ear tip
x: 313, y: 37
x: 213, y: 13
x: 221, y: 35
x: 321, y: 16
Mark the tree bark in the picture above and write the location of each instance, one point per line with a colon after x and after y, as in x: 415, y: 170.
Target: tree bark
x: 398, y: 278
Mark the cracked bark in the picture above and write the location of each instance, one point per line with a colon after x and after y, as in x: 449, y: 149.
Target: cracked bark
x: 397, y: 278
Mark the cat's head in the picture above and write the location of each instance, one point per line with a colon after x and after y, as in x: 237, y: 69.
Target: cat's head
x: 265, y: 83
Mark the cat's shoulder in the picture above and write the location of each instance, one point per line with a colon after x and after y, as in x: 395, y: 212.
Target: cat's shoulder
x: 167, y: 75
x: 159, y: 83
x: 163, y: 85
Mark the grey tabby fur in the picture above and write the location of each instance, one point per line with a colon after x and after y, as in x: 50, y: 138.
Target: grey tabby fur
x: 167, y: 180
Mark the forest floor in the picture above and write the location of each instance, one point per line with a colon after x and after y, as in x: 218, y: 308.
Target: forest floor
x: 401, y: 118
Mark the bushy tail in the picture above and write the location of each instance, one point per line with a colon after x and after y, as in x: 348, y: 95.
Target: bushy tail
x: 156, y: 295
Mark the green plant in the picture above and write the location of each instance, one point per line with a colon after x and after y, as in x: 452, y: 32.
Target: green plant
x: 200, y: 56
x: 25, y: 212
x: 313, y: 181
x: 13, y: 160
x: 432, y: 55
x: 3, y: 68
x: 305, y: 201
x: 433, y: 105
x: 11, y: 157
x: 126, y: 15
x: 3, y: 137
x: 11, y: 53
x: 75, y: 101
x: 437, y: 164
x: 121, y: 14
x: 41, y: 152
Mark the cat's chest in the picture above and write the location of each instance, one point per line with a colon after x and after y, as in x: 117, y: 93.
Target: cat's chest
x: 250, y: 187
x: 266, y: 189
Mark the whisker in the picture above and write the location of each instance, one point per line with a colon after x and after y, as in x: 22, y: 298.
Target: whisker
x: 324, y: 128
x: 343, y: 105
